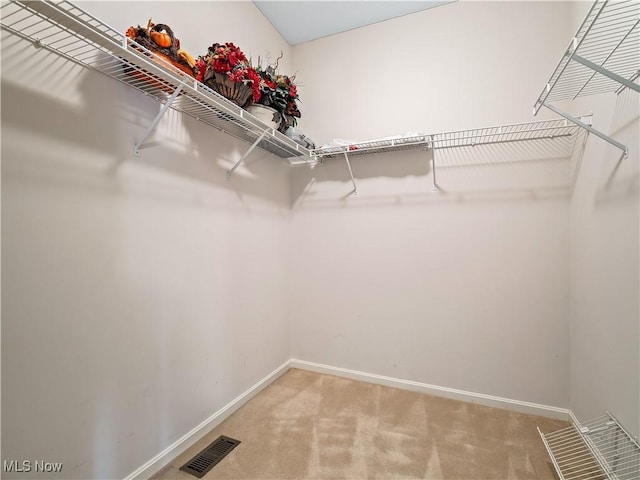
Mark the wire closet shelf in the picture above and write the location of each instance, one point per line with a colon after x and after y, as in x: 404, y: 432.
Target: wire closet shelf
x: 559, y: 130
x: 69, y: 31
x: 66, y: 30
x: 600, y: 449
x: 604, y: 55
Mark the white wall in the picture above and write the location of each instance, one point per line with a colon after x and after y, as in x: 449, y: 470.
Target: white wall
x: 605, y: 286
x: 461, y: 65
x: 466, y: 288
x: 140, y: 295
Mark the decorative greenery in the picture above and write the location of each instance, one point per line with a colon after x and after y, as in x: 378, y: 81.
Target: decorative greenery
x: 280, y: 93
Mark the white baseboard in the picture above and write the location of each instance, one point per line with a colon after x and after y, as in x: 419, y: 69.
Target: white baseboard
x: 163, y: 458
x: 479, y: 398
x: 190, y: 438
x: 573, y: 419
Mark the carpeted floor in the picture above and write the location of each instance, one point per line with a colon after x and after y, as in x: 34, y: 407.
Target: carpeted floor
x: 311, y: 426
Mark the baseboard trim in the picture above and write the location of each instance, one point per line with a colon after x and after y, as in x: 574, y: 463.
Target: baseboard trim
x: 183, y: 443
x: 479, y: 398
x: 190, y: 438
x: 573, y: 419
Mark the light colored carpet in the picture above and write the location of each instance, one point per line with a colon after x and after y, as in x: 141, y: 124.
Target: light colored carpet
x: 311, y: 426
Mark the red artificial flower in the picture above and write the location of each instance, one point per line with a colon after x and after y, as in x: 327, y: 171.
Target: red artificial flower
x: 201, y: 68
x: 252, y: 75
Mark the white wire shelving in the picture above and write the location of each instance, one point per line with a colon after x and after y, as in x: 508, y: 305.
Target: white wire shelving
x: 371, y: 147
x: 61, y: 27
x: 67, y: 30
x: 600, y: 449
x: 603, y: 56
x: 559, y: 132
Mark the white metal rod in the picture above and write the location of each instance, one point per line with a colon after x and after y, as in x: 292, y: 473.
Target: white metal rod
x: 589, y: 129
x: 435, y: 187
x: 353, y: 180
x: 165, y: 107
x: 246, y: 154
x: 496, y: 142
x: 460, y: 134
x: 633, y: 440
x: 606, y: 73
x: 553, y: 458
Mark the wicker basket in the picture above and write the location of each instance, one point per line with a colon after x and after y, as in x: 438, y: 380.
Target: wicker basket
x: 239, y: 93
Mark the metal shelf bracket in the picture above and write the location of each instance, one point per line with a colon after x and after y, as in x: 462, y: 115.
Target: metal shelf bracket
x: 353, y: 180
x: 154, y: 123
x: 246, y: 154
x: 435, y: 187
x: 603, y: 71
x: 590, y: 129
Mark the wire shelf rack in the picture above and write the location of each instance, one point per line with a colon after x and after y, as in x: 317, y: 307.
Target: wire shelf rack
x: 69, y: 31
x: 558, y: 130
x: 61, y: 27
x: 603, y: 56
x: 373, y: 146
x: 556, y: 139
x: 600, y: 449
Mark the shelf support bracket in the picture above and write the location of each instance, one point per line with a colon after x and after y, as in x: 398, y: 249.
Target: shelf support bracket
x: 163, y: 110
x: 435, y: 187
x: 246, y: 154
x: 606, y: 138
x: 606, y: 73
x: 353, y: 180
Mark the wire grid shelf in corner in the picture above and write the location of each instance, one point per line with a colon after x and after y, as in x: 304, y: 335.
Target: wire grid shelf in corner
x: 609, y: 38
x: 600, y: 449
x: 62, y: 28
x: 557, y: 129
x: 373, y: 146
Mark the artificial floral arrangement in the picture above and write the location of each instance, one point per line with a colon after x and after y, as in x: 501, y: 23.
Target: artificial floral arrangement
x: 226, y: 70
x: 160, y: 40
x: 279, y: 92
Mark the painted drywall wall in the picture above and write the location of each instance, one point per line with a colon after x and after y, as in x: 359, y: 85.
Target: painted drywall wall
x: 140, y: 295
x: 456, y: 66
x: 467, y: 287
x: 605, y: 286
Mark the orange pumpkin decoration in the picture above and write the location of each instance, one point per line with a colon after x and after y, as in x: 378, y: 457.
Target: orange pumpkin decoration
x: 164, y: 47
x: 161, y: 39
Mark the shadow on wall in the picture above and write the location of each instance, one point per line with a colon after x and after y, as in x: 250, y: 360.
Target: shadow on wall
x: 623, y: 178
x: 106, y: 252
x: 57, y: 99
x: 531, y: 170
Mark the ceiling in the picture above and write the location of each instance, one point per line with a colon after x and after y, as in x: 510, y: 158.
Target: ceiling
x: 302, y: 21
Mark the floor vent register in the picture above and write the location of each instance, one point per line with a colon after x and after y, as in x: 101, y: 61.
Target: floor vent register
x: 208, y: 458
